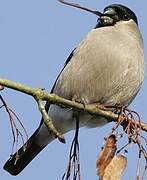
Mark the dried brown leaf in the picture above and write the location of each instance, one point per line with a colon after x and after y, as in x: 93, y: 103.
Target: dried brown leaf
x: 106, y: 155
x: 115, y: 168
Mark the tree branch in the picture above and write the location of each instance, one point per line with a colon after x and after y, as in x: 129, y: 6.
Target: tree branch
x: 41, y: 95
x: 48, y: 121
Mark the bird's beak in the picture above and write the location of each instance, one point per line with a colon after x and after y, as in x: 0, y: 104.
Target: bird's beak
x: 107, y: 18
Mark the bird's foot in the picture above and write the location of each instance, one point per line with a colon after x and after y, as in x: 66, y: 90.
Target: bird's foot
x: 117, y: 108
x: 101, y: 106
x: 106, y: 107
x: 78, y: 100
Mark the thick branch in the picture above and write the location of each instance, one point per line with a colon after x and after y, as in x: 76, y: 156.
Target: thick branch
x: 55, y: 99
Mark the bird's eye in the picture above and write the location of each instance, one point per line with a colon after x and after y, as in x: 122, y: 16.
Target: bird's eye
x: 126, y: 17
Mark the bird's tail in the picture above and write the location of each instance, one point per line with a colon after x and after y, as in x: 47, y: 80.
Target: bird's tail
x: 15, y: 166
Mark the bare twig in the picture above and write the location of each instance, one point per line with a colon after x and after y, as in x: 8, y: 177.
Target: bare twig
x: 126, y: 118
x: 15, y: 129
x: 74, y: 162
x: 48, y: 122
x: 81, y: 7
x: 55, y: 99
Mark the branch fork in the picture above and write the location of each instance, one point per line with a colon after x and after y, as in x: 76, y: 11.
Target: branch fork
x: 40, y: 95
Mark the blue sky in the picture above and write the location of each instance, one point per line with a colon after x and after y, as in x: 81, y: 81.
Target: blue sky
x: 36, y: 37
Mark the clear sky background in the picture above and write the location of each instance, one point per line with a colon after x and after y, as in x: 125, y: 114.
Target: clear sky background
x: 36, y: 37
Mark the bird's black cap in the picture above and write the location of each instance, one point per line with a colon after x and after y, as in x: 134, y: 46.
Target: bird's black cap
x: 123, y: 12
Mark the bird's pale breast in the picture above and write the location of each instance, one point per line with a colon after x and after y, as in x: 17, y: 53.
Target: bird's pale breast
x: 107, y: 67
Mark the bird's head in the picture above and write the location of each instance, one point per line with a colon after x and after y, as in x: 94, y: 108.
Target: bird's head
x: 110, y: 16
x: 116, y: 13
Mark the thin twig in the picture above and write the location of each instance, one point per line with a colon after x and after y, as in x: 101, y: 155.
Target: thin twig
x: 81, y: 7
x: 15, y: 130
x: 55, y: 99
x: 73, y: 167
x: 48, y: 122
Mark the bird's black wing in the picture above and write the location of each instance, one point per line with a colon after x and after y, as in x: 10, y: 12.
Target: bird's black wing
x: 47, y: 105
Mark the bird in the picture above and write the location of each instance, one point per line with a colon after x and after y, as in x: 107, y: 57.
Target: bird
x: 106, y: 67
